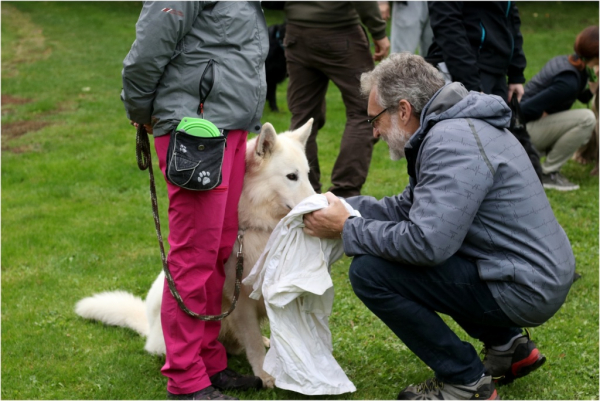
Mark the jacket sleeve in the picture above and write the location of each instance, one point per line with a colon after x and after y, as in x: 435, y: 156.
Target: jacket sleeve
x: 391, y: 208
x: 160, y: 28
x: 449, y: 32
x: 369, y: 14
x: 518, y: 61
x: 447, y: 197
x: 563, y: 86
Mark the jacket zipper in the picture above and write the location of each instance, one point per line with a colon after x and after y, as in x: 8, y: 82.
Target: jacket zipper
x: 209, y: 68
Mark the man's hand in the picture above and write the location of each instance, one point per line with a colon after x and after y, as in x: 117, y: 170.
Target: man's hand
x: 136, y: 125
x: 382, y: 48
x: 516, y: 89
x: 327, y: 222
x: 384, y: 9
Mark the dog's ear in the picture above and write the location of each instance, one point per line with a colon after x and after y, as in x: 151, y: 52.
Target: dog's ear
x: 301, y: 134
x: 266, y: 140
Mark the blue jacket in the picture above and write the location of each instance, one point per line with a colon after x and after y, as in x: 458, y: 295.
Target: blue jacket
x: 472, y: 191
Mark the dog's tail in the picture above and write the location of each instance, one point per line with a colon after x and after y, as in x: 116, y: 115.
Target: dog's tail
x: 116, y: 308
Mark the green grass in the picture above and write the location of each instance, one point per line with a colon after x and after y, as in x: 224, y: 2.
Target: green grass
x: 76, y: 219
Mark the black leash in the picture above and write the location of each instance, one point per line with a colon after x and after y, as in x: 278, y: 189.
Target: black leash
x: 144, y: 161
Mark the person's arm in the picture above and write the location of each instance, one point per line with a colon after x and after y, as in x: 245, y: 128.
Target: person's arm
x: 445, y: 203
x: 446, y: 19
x: 585, y: 96
x: 384, y: 9
x: 563, y: 86
x: 370, y: 16
x: 390, y: 208
x: 160, y: 27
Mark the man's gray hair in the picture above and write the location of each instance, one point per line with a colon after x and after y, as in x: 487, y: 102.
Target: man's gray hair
x: 402, y: 76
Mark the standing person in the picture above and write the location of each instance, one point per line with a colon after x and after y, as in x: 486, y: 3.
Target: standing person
x: 555, y: 129
x: 410, y: 25
x: 177, y: 43
x: 481, y: 44
x: 324, y: 41
x: 472, y: 236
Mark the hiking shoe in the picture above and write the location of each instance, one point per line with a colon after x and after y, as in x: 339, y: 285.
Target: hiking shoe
x: 558, y: 181
x: 231, y: 380
x: 433, y: 389
x: 208, y: 393
x: 520, y: 360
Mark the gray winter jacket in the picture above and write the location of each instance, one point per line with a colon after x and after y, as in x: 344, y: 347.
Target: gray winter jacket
x: 472, y: 191
x: 176, y: 44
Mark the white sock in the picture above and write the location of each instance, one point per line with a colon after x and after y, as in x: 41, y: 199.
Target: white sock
x: 506, y: 346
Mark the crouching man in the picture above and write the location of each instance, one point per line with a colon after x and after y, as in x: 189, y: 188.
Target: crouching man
x: 472, y: 236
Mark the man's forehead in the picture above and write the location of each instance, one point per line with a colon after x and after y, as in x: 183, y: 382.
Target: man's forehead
x: 373, y: 103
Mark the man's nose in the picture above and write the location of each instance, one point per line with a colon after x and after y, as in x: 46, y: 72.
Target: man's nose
x: 376, y: 133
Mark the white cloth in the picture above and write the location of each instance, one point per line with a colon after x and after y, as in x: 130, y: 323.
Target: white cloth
x: 292, y: 274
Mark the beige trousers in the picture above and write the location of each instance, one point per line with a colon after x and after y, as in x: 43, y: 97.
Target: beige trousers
x: 559, y: 135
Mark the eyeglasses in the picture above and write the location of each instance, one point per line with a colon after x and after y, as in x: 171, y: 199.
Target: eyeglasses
x: 372, y: 120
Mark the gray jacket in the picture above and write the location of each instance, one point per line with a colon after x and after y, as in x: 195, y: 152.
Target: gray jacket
x: 175, y: 43
x: 472, y: 191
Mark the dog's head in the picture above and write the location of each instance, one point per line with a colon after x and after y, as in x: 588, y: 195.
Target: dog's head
x: 276, y: 176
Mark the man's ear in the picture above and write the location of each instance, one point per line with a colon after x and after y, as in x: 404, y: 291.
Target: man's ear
x: 405, y: 110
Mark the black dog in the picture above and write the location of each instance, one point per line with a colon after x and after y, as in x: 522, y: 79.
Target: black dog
x: 275, y: 68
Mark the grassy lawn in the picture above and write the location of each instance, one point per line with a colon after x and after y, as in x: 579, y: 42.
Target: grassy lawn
x: 76, y: 219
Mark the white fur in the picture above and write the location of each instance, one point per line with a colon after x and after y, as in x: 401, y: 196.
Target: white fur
x: 269, y: 193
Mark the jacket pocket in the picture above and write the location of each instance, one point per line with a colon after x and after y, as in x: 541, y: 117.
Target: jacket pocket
x: 337, y: 46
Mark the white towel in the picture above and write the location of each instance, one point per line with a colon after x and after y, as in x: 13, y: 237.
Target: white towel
x: 292, y: 274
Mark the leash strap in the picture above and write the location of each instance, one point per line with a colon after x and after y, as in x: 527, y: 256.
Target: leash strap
x: 144, y: 161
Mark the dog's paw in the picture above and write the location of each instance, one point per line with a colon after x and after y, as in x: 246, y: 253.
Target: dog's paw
x: 266, y: 342
x: 268, y: 380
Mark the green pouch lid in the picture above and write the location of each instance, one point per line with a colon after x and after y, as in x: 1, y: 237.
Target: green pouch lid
x: 198, y: 127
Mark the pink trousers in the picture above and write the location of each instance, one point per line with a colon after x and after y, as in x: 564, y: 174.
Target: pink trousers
x: 203, y: 228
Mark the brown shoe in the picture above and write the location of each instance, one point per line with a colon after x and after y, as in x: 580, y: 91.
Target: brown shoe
x: 231, y: 380
x: 208, y: 393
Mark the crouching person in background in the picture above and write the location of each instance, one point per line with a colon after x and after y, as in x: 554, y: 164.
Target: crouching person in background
x: 557, y: 130
x: 472, y: 236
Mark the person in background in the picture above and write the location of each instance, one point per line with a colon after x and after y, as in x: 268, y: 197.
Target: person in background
x: 481, y: 44
x: 176, y: 42
x: 325, y: 42
x: 555, y: 129
x: 472, y: 236
x: 410, y: 25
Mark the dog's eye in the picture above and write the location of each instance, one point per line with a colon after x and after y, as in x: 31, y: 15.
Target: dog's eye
x: 292, y: 177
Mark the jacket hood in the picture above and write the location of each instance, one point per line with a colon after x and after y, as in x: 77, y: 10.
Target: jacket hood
x: 454, y: 101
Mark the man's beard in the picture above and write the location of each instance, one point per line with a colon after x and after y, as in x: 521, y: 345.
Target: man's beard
x: 396, y: 139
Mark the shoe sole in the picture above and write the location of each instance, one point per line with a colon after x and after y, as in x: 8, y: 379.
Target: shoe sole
x: 522, y: 368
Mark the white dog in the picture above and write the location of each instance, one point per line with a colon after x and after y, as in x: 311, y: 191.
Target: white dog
x: 276, y: 180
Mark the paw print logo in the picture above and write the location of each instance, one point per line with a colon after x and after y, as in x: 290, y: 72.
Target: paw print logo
x: 182, y: 148
x: 203, y: 177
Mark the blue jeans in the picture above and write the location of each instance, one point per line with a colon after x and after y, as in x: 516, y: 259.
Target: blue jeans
x: 406, y: 298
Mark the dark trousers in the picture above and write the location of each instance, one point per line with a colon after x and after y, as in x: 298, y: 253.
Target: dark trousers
x: 494, y: 84
x: 406, y: 298
x: 314, y: 57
